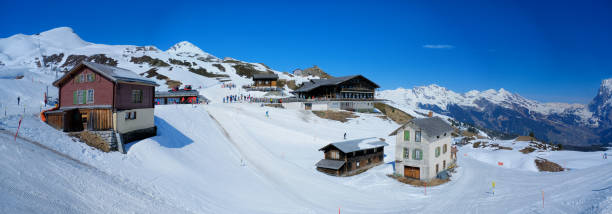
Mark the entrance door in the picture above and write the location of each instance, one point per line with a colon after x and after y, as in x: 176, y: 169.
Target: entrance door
x: 412, y: 172
x: 437, y: 169
x: 84, y: 119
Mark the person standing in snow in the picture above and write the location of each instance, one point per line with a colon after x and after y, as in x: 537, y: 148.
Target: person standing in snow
x: 267, y: 115
x: 18, y: 100
x: 345, y: 135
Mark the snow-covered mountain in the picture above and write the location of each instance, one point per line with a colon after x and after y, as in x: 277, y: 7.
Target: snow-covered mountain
x: 61, y: 48
x: 503, y: 111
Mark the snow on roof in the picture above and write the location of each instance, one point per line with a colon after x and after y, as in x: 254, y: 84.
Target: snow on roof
x: 358, y: 144
x: 330, y: 164
x: 432, y: 126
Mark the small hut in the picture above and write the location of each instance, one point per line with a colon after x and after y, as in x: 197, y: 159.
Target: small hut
x: 352, y: 156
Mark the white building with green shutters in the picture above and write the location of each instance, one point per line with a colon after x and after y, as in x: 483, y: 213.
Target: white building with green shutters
x: 423, y: 148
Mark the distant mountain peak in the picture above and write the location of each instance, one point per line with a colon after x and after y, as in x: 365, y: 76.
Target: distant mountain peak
x: 187, y: 48
x: 64, y: 37
x: 606, y: 85
x: 602, y: 103
x: 313, y: 71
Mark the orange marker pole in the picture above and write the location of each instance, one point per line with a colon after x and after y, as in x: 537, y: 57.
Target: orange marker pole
x: 542, y: 198
x: 425, y: 188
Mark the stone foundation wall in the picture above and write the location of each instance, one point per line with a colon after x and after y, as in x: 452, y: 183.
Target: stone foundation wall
x: 109, y: 137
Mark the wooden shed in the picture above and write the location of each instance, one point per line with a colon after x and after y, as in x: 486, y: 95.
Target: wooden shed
x: 352, y: 156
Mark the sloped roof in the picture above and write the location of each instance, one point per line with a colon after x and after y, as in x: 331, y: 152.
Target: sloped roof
x: 330, y: 164
x: 181, y: 93
x: 265, y: 76
x: 315, y: 83
x: 357, y: 144
x: 432, y: 126
x: 114, y: 74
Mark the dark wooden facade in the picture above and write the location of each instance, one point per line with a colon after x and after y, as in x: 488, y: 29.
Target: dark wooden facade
x: 354, y: 162
x: 264, y: 83
x: 353, y: 88
x: 123, y: 96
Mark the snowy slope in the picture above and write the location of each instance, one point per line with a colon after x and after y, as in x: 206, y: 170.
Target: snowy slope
x: 201, y: 163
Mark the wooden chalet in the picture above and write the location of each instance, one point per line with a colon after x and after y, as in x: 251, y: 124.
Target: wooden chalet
x: 96, y: 97
x: 354, y: 87
x: 352, y: 156
x: 265, y: 80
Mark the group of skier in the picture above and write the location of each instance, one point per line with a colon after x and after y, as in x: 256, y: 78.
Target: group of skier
x: 236, y: 98
x: 228, y: 85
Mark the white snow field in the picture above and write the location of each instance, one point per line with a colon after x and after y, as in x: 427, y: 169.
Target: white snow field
x: 230, y: 158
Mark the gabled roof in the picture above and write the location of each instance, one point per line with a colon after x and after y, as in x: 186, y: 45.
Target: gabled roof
x: 357, y: 144
x: 315, y: 83
x: 112, y: 73
x: 265, y: 76
x: 432, y: 126
x: 330, y: 164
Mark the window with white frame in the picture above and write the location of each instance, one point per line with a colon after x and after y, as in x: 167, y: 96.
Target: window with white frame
x: 90, y: 96
x: 130, y: 115
x: 81, y: 96
x: 335, y: 155
x: 417, y: 154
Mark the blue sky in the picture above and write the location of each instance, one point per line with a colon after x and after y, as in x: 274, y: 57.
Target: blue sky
x: 552, y: 51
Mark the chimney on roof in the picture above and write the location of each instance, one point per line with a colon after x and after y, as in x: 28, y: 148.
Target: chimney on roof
x: 430, y: 114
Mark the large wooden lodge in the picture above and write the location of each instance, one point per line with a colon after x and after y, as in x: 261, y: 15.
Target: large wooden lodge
x: 352, y: 156
x: 354, y: 93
